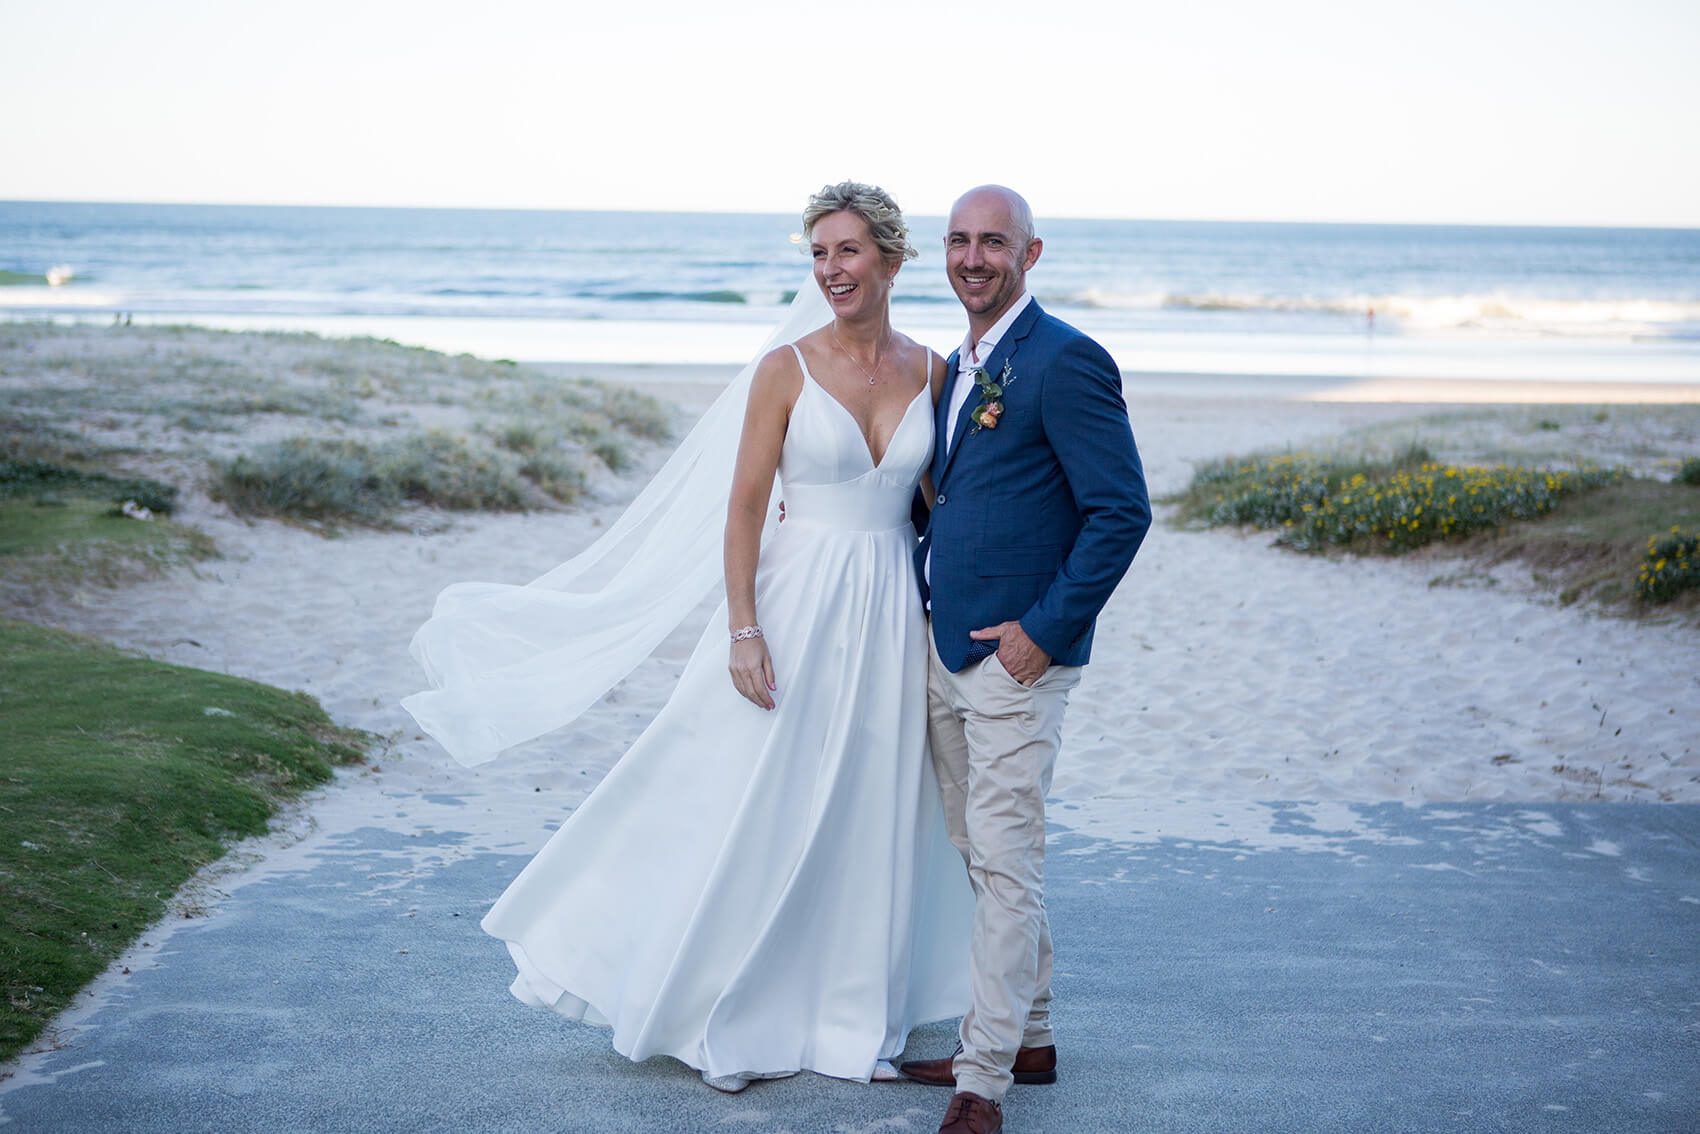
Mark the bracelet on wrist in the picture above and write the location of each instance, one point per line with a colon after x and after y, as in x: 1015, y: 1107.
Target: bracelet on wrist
x: 746, y: 633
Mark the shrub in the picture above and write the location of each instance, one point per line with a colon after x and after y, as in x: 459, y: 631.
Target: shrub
x: 1671, y: 566
x: 1436, y: 502
x: 334, y: 482
x: 521, y: 438
x: 308, y: 478
x: 639, y: 414
x: 553, y: 477
x: 328, y: 481
x: 1272, y: 492
x: 1689, y: 473
x: 443, y: 471
x: 1391, y: 506
x: 611, y: 451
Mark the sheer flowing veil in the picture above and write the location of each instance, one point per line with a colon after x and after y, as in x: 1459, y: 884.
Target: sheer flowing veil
x: 508, y: 663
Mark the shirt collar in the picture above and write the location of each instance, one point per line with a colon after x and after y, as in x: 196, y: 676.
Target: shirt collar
x: 979, y: 352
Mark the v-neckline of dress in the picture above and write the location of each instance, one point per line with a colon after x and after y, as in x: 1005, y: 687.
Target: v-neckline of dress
x: 867, y: 446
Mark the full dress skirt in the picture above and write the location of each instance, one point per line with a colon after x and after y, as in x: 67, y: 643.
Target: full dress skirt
x: 760, y: 892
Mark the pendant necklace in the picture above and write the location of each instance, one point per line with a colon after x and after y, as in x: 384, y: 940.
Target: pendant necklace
x: 878, y: 361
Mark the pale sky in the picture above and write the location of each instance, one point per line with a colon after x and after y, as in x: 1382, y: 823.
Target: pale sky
x: 1455, y: 111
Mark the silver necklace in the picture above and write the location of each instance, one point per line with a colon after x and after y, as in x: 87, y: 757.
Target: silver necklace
x: 878, y: 361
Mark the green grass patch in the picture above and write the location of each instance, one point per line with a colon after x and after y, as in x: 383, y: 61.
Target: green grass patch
x: 39, y: 461
x: 81, y: 530
x: 1594, y: 547
x: 119, y: 778
x: 38, y: 479
x: 62, y: 523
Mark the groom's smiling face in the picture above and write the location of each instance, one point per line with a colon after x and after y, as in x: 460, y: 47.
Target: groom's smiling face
x: 987, y: 254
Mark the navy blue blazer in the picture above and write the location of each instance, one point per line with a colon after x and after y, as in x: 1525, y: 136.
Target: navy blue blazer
x: 1035, y: 520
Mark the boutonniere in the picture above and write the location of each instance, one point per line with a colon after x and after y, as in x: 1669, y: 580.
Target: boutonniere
x: 986, y: 414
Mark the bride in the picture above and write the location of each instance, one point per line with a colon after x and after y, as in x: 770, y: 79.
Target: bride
x: 763, y: 883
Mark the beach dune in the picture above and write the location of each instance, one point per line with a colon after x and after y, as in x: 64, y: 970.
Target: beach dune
x: 1223, y: 668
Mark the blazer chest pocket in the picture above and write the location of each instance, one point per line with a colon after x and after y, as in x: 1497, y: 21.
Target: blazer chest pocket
x: 1039, y: 560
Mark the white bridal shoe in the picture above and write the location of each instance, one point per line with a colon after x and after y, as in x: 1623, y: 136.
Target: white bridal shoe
x: 732, y: 1084
x: 884, y: 1072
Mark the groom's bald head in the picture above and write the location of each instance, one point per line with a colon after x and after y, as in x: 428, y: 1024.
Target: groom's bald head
x: 1020, y: 213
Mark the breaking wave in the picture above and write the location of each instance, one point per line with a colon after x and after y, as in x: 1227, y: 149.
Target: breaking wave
x: 716, y: 295
x: 1485, y: 311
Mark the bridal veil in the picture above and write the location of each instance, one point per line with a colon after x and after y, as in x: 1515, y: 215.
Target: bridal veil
x: 509, y: 663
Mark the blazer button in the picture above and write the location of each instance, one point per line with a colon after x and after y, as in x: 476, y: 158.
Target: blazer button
x: 940, y: 500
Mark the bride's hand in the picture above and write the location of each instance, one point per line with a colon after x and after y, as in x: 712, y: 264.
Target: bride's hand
x: 752, y: 671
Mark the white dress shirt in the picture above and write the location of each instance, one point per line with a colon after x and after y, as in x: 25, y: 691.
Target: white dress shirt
x: 972, y: 354
x: 969, y: 356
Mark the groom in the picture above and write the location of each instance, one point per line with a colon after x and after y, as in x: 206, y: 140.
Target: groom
x: 1039, y: 505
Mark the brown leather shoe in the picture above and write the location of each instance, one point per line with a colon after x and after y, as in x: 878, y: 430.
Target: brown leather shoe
x: 1032, y: 1065
x: 971, y: 1114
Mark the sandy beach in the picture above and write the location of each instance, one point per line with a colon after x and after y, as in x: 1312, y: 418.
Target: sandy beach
x: 1229, y: 679
x: 1224, y: 669
x: 1376, y: 809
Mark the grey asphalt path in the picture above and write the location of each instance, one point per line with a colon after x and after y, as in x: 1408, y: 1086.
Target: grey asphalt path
x: 1480, y: 967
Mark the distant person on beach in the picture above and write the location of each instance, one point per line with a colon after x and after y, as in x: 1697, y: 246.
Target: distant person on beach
x: 1039, y: 506
x: 764, y: 883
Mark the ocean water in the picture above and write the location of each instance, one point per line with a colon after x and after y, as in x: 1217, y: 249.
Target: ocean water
x: 1175, y: 297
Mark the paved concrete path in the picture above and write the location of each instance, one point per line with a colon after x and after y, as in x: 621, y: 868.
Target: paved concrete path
x: 1260, y: 967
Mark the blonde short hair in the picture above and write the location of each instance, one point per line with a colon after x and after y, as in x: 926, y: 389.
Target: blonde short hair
x: 876, y: 208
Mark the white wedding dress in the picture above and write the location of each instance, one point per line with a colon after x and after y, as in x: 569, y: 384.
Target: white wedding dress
x: 760, y: 892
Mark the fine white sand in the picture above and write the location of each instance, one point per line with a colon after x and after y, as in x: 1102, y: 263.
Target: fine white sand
x: 1225, y: 672
x: 1224, y: 669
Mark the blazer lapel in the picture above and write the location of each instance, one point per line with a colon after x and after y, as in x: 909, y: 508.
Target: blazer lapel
x: 941, y: 427
x: 1003, y: 352
x: 959, y: 427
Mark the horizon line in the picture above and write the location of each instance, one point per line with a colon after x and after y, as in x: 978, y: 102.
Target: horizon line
x: 1647, y: 226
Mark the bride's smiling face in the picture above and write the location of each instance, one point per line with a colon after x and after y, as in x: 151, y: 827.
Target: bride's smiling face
x: 851, y: 273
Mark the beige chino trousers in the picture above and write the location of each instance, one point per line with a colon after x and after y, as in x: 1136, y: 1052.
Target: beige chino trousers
x: 994, y: 745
